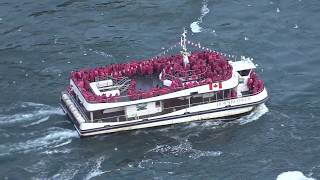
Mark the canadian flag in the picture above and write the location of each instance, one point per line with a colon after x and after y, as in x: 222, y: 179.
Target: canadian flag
x: 215, y: 86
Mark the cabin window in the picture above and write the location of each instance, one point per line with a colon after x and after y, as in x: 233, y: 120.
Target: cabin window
x: 193, y: 93
x: 142, y: 106
x: 177, y: 103
x: 244, y: 72
x: 196, y: 100
x: 158, y: 104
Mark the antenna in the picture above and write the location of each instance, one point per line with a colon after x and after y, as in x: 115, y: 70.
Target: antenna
x: 183, y: 44
x: 183, y: 41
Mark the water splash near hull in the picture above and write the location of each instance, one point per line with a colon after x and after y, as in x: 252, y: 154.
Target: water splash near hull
x: 255, y: 115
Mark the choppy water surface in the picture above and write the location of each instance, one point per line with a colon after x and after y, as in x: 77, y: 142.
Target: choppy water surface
x: 42, y: 41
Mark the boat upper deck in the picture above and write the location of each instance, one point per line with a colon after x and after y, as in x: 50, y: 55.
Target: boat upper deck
x: 149, y: 78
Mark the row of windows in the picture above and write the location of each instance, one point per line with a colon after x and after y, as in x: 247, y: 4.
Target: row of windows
x: 244, y: 72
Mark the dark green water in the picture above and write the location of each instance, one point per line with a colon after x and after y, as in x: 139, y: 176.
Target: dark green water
x: 42, y: 41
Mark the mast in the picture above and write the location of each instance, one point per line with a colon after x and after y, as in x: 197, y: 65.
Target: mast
x: 183, y: 44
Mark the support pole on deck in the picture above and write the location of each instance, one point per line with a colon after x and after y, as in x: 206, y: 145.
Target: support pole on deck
x: 91, y: 117
x: 216, y: 96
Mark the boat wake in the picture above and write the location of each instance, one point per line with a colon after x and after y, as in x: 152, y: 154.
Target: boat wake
x: 96, y: 170
x: 253, y: 116
x: 70, y: 169
x: 184, y: 148
x: 221, y: 123
x: 29, y: 111
x: 53, y: 139
x: 195, y: 26
x: 42, y: 168
x: 148, y: 163
x: 57, y: 151
x: 293, y: 175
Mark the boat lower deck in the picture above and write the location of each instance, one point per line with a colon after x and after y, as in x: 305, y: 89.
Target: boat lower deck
x: 226, y: 113
x: 168, y: 106
x: 179, y: 110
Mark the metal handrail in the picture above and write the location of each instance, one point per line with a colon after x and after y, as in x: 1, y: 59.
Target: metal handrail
x: 176, y: 107
x: 122, y: 98
x: 78, y: 107
x: 188, y: 77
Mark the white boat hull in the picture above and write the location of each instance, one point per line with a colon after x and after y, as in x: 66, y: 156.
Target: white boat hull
x: 221, y: 109
x: 174, y: 121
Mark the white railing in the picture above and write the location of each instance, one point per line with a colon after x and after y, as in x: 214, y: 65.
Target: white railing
x: 213, y: 99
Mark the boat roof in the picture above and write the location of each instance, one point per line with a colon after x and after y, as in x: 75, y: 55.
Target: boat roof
x: 228, y: 84
x: 176, y: 73
x: 244, y: 64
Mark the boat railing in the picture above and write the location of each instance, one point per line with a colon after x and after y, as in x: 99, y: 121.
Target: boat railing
x: 122, y: 84
x: 190, y: 75
x: 117, y: 81
x: 124, y: 98
x: 122, y: 81
x: 80, y: 109
x: 212, y: 99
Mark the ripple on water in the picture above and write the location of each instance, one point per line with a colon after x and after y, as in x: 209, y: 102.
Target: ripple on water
x: 148, y: 163
x: 28, y: 112
x: 195, y: 26
x: 184, y: 148
x: 54, y: 138
x: 96, y: 169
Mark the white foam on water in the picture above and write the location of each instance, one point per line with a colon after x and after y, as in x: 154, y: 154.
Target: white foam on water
x: 32, y: 104
x: 139, y: 131
x: 166, y: 128
x: 55, y: 41
x: 195, y: 26
x: 255, y: 115
x: 96, y: 170
x: 19, y: 105
x: 293, y: 175
x: 64, y: 173
x: 38, y: 113
x: 192, y: 125
x: 55, y: 137
x: 184, y: 148
x: 57, y: 151
x: 37, y: 168
x: 42, y: 168
x: 63, y: 143
x: 67, y: 174
x: 104, y: 54
x: 213, y: 123
x: 147, y: 163
x: 38, y: 122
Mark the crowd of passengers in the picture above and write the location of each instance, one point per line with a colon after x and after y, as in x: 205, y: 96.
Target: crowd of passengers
x: 203, y: 68
x: 255, y: 84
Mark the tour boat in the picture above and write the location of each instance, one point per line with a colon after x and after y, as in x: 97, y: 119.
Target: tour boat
x: 167, y: 89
